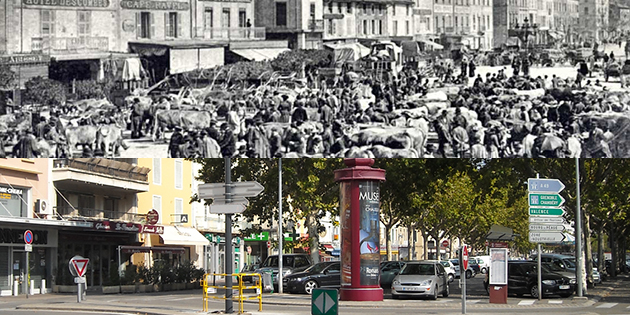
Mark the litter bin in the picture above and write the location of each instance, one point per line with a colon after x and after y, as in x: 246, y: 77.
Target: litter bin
x: 267, y: 284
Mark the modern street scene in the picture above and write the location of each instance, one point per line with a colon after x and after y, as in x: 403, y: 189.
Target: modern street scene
x: 314, y: 236
x: 334, y: 78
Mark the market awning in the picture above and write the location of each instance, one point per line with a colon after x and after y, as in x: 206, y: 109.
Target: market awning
x: 179, y: 235
x: 410, y: 48
x: 431, y: 43
x: 259, y: 54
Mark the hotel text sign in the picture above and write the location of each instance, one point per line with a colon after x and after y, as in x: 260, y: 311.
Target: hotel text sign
x: 154, y: 5
x: 69, y: 3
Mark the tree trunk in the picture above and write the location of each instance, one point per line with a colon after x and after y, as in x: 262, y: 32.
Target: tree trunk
x: 588, y: 250
x: 601, y: 265
x: 425, y: 244
x: 613, y: 249
x: 388, y: 241
x: 408, y: 242
x: 311, y: 221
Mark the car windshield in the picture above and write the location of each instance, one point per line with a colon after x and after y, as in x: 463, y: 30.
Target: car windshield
x: 287, y: 261
x: 445, y: 263
x: 570, y: 262
x: 553, y: 267
x: 532, y: 268
x: 418, y: 269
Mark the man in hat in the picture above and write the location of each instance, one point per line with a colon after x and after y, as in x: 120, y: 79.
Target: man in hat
x: 27, y: 146
x: 136, y: 118
x: 299, y: 114
x: 228, y: 141
x: 442, y: 127
x: 177, y: 139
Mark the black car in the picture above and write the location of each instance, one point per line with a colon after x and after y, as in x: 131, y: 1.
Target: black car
x: 523, y: 279
x: 320, y: 275
x: 389, y: 270
x: 290, y: 263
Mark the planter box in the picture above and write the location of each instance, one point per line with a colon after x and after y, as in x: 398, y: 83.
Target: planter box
x: 111, y: 290
x: 166, y: 287
x: 128, y: 288
x: 179, y: 286
x: 64, y: 288
x: 191, y: 286
x: 145, y: 288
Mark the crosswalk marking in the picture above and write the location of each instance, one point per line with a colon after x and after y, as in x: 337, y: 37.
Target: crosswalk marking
x: 555, y: 302
x: 472, y: 301
x: 526, y: 302
x: 628, y: 307
x: 607, y: 305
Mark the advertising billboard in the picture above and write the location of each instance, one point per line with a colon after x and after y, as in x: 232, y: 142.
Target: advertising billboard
x: 369, y: 206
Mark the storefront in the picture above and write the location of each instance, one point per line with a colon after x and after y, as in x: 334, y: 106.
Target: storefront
x: 189, y: 239
x: 215, y: 253
x: 25, y: 67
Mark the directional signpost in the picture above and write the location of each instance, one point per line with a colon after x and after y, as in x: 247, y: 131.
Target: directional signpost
x: 544, y: 185
x: 324, y: 302
x: 555, y: 212
x: 546, y: 237
x: 545, y: 200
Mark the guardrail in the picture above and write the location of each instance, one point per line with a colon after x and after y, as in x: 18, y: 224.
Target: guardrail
x: 241, y: 297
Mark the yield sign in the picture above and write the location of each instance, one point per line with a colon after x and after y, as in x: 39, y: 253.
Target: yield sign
x: 80, y: 265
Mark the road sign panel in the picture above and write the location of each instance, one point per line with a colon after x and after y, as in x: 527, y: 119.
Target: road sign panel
x: 545, y: 227
x: 247, y: 189
x: 227, y: 208
x: 544, y: 185
x: 28, y: 247
x: 546, y: 211
x: 221, y: 201
x: 211, y: 190
x: 465, y: 257
x: 547, y: 219
x: 80, y: 265
x: 28, y: 237
x: 546, y: 237
x: 445, y: 243
x: 545, y: 200
x: 324, y: 302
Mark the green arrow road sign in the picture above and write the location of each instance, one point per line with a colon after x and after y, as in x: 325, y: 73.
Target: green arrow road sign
x: 545, y: 200
x: 546, y: 211
x: 324, y: 302
x: 262, y: 236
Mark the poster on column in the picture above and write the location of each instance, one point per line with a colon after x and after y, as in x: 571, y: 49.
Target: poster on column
x: 369, y: 206
x: 345, y: 199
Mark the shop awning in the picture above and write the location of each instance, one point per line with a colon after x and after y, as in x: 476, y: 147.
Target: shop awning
x: 259, y: 54
x: 147, y: 249
x: 179, y: 235
x: 328, y: 247
x: 431, y: 44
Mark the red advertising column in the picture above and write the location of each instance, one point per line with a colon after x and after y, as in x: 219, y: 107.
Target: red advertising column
x: 359, y: 218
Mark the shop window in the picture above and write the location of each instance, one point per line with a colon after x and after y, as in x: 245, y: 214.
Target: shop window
x: 171, y: 25
x: 179, y: 209
x: 145, y: 27
x: 312, y: 10
x: 179, y: 174
x: 47, y: 22
x: 349, y: 8
x: 208, y: 19
x: 242, y: 18
x: 157, y: 171
x: 281, y: 14
x: 84, y: 20
x: 157, y: 205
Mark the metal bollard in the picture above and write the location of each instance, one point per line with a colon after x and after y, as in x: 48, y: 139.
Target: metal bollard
x: 16, y: 288
x: 31, y: 288
x: 42, y: 288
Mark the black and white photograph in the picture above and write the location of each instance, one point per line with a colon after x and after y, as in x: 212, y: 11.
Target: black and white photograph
x: 326, y: 78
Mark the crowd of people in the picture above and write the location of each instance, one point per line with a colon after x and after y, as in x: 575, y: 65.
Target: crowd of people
x: 490, y: 117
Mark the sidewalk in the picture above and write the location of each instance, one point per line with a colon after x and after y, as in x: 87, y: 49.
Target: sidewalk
x: 127, y: 303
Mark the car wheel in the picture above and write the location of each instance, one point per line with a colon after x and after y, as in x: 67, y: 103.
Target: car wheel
x: 468, y: 274
x: 447, y: 291
x: 435, y: 293
x: 533, y: 291
x: 451, y: 277
x: 484, y: 270
x: 309, y: 286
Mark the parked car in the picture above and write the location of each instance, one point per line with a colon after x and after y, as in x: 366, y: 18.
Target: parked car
x: 290, y: 263
x: 469, y: 272
x: 566, y: 263
x: 474, y: 265
x: 523, y: 279
x: 389, y: 270
x: 249, y: 269
x: 321, y: 275
x: 484, y: 263
x: 421, y: 278
x: 449, y: 268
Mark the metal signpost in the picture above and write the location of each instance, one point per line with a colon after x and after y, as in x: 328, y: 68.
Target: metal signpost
x: 78, y: 267
x: 28, y: 247
x: 463, y: 267
x: 546, y: 221
x: 229, y: 198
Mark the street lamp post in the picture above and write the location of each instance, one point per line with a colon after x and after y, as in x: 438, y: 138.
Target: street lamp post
x: 524, y: 31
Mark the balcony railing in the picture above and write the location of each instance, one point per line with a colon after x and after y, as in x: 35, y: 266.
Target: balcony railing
x: 316, y: 25
x: 113, y: 168
x: 68, y: 212
x: 69, y: 44
x: 232, y: 33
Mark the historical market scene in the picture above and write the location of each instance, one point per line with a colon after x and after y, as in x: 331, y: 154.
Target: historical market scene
x: 263, y: 78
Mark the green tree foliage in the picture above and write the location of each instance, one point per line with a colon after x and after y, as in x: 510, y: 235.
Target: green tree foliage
x: 43, y: 91
x: 90, y: 89
x: 292, y: 60
x: 8, y: 78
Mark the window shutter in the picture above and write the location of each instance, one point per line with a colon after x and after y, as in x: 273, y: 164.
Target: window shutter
x: 180, y: 29
x: 167, y: 23
x: 152, y: 18
x: 138, y: 25
x: 52, y: 23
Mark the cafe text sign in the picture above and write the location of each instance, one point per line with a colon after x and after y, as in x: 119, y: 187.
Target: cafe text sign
x: 154, y: 5
x: 69, y: 3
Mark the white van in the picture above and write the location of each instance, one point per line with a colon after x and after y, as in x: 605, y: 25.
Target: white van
x: 484, y: 263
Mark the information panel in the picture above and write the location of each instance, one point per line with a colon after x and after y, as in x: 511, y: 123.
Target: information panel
x: 498, y: 266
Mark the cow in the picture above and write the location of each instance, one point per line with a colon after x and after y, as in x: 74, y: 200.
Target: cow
x: 80, y: 135
x: 51, y: 149
x: 395, y: 138
x: 186, y: 119
x: 109, y: 137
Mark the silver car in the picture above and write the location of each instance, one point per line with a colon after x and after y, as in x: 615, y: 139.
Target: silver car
x: 421, y: 278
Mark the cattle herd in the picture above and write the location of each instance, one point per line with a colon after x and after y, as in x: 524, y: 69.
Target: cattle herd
x: 408, y: 116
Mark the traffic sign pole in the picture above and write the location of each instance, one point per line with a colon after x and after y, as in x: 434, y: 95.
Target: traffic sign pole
x: 229, y: 307
x: 463, y: 267
x: 28, y: 240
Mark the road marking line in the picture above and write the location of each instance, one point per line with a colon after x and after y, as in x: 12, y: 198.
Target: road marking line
x: 527, y: 302
x: 555, y: 302
x: 628, y: 307
x: 472, y: 301
x: 607, y: 305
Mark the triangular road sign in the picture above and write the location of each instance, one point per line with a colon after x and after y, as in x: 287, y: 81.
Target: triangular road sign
x: 319, y: 302
x: 329, y: 303
x: 80, y: 265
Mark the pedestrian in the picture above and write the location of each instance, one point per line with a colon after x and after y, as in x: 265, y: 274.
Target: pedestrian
x: 472, y: 67
x: 177, y: 139
x: 516, y: 65
x: 136, y: 118
x: 228, y: 141
x: 581, y: 73
x: 27, y: 146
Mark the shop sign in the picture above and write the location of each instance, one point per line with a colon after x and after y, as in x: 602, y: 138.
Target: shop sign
x: 16, y: 236
x: 153, y: 229
x: 422, y: 12
x: 127, y: 227
x: 69, y: 3
x: 228, y: 0
x: 153, y: 217
x: 153, y: 5
x: 262, y: 236
x: 129, y: 26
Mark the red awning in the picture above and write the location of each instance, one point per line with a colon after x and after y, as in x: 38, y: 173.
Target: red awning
x: 329, y: 247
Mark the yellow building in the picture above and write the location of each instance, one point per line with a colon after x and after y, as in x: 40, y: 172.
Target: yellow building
x: 170, y: 189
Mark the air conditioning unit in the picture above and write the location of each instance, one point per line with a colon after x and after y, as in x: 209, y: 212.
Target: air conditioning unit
x: 42, y: 207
